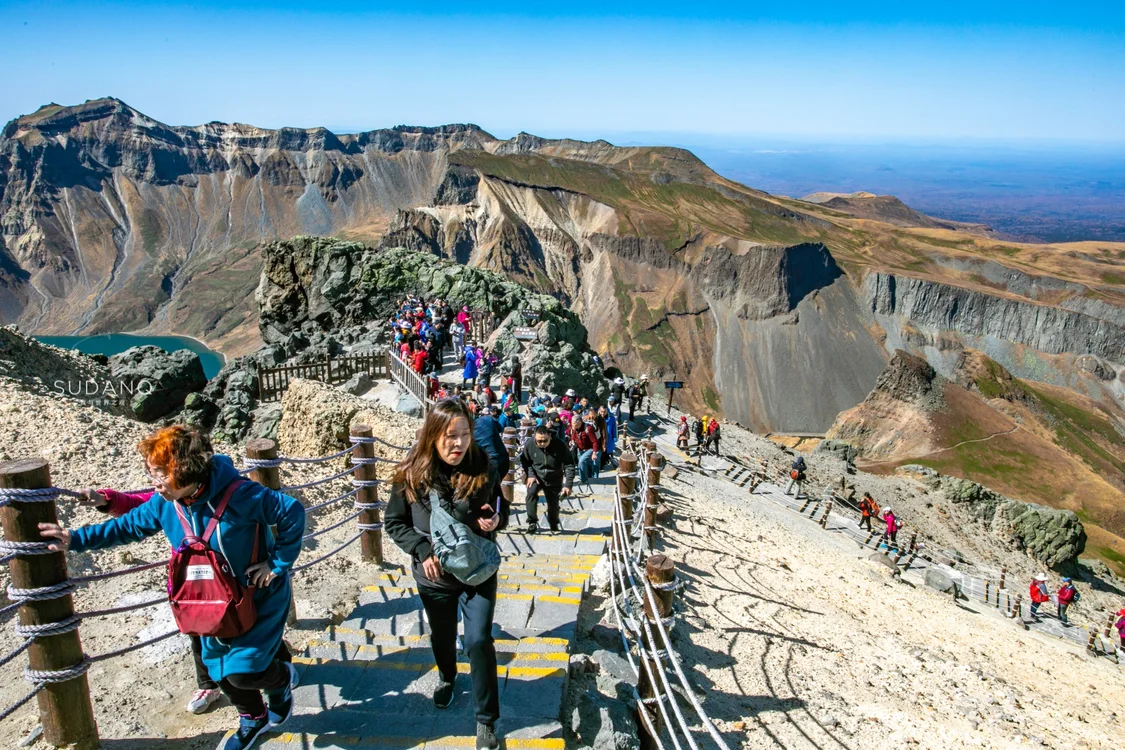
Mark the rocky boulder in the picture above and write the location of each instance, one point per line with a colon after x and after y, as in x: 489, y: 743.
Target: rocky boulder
x: 316, y: 420
x: 158, y: 381
x: 1053, y: 537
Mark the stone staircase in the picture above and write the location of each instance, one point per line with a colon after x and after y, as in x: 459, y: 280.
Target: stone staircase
x: 367, y: 683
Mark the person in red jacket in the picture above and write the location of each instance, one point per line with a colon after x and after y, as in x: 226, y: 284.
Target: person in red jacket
x: 419, y: 363
x: 118, y: 504
x: 1067, y: 595
x: 1039, y: 595
x: 585, y: 441
x: 1119, y: 623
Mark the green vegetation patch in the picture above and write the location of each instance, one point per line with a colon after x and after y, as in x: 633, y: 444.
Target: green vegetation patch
x: 710, y: 397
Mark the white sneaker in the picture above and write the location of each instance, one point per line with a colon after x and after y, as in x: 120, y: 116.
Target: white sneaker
x: 203, y: 700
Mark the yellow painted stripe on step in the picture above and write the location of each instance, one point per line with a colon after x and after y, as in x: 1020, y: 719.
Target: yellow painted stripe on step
x: 559, y: 599
x: 400, y: 666
x: 414, y: 590
x: 536, y: 672
x: 545, y: 640
x: 512, y: 743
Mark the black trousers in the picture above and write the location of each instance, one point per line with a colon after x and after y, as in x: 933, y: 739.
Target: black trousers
x: 552, y: 496
x: 477, y: 604
x: 245, y: 690
x: 203, y: 679
x: 865, y: 523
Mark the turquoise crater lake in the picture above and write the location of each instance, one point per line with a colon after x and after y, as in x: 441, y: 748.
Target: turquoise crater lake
x: 115, y: 343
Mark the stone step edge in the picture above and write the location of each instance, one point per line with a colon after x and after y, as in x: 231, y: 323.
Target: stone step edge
x: 502, y: 671
x: 392, y: 651
x: 576, y: 601
x: 306, y: 739
x: 533, y: 640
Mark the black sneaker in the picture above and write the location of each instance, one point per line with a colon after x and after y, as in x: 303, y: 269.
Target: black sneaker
x: 555, y: 527
x: 486, y: 737
x: 533, y: 528
x: 443, y: 695
x: 250, y: 729
x: 279, y: 706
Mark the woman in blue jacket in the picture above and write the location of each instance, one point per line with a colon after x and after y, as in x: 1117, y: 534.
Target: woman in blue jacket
x: 186, y: 474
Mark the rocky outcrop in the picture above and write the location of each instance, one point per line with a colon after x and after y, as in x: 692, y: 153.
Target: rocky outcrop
x: 316, y: 421
x: 159, y: 381
x: 1053, y: 537
x: 313, y: 287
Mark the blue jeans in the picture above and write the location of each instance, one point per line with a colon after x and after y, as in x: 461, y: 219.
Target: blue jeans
x: 585, y: 466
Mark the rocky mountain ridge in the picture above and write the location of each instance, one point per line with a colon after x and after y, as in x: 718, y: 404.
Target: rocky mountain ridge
x: 777, y: 313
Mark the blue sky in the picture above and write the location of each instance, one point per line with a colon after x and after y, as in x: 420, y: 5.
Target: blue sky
x: 939, y: 71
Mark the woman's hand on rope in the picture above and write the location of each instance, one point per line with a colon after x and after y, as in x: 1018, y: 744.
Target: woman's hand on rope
x: 260, y: 575
x: 488, y: 524
x: 431, y: 566
x: 94, y: 499
x: 54, y: 531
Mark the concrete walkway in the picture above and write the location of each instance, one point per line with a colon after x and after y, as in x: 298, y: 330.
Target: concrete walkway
x: 367, y: 683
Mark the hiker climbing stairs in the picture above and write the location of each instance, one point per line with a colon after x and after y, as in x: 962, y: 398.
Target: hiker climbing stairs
x: 368, y: 681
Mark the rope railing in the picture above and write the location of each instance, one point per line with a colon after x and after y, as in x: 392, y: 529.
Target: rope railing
x: 265, y: 464
x: 645, y: 621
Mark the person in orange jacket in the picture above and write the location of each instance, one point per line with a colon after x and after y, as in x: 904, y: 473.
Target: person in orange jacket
x: 1039, y: 595
x: 870, y: 509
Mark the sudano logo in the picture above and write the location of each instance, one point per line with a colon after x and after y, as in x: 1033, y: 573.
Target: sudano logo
x: 104, y: 390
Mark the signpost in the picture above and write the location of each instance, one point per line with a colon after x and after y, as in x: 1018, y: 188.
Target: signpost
x: 531, y: 316
x: 524, y: 333
x: 672, y: 386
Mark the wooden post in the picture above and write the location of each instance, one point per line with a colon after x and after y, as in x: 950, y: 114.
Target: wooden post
x: 647, y: 694
x: 652, y: 502
x: 508, y: 486
x: 64, y: 707
x: 264, y: 449
x: 372, y: 541
x: 1109, y: 624
x: 1018, y: 609
x: 987, y: 586
x: 655, y: 464
x: 659, y: 569
x: 626, y: 485
x: 1003, y: 577
x: 824, y: 518
x: 1090, y: 643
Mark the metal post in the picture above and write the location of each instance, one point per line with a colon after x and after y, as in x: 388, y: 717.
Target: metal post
x: 64, y: 707
x: 372, y: 540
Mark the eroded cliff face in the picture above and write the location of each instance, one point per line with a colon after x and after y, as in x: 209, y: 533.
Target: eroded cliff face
x: 107, y: 216
x: 1082, y: 348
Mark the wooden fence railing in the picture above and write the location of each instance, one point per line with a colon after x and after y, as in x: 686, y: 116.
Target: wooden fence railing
x: 481, y: 325
x: 404, y: 375
x: 273, y: 381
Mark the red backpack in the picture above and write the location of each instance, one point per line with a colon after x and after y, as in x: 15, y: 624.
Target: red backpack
x: 204, y: 593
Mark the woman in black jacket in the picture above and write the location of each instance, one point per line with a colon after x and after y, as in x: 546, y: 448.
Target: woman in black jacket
x: 446, y: 459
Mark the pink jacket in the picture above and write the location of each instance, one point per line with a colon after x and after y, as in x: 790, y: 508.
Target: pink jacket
x: 892, y: 523
x: 121, y: 503
x: 464, y: 319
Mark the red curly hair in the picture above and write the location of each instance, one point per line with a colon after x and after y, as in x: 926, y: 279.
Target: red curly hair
x: 182, y: 452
